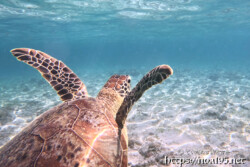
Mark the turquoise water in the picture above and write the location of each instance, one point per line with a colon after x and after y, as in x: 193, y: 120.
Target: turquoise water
x: 204, y: 105
x: 97, y: 34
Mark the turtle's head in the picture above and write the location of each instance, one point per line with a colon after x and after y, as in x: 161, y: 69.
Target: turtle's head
x: 119, y: 83
x: 114, y: 92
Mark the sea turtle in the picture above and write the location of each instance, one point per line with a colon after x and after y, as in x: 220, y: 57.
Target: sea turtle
x: 82, y: 131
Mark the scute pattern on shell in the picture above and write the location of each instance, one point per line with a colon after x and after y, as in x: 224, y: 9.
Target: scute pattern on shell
x: 95, y: 122
x: 71, y: 134
x: 60, y: 77
x: 17, y: 154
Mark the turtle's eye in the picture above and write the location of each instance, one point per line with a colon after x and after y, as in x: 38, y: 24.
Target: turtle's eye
x: 129, y: 80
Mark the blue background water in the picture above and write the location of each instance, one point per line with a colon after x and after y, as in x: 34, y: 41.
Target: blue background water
x: 107, y: 35
x: 204, y: 105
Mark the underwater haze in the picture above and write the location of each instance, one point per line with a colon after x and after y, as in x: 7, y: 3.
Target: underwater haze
x: 202, y: 110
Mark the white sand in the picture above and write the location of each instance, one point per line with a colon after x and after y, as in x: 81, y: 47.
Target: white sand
x: 193, y: 114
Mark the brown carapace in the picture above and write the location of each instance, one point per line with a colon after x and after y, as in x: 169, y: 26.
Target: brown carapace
x: 83, y: 131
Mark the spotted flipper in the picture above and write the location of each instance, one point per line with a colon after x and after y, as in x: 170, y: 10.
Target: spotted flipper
x: 155, y: 76
x: 60, y: 77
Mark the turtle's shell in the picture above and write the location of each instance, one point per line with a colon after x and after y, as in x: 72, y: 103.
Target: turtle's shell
x: 73, y: 134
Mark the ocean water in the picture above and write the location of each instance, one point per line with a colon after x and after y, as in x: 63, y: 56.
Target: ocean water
x: 201, y: 111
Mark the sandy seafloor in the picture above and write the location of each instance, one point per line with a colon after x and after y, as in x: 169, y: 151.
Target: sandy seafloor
x: 195, y: 113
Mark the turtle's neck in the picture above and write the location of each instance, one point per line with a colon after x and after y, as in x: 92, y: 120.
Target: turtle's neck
x: 110, y: 99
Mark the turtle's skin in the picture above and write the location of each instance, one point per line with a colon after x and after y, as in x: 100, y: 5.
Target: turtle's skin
x: 82, y: 131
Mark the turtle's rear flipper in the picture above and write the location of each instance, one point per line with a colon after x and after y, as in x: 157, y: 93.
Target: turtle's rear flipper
x: 60, y: 77
x: 155, y: 76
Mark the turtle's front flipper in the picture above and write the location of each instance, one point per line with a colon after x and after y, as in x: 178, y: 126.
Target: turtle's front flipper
x: 60, y: 77
x: 155, y: 76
